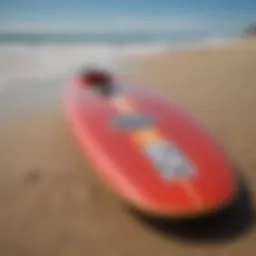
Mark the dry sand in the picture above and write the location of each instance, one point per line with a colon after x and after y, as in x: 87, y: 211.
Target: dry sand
x: 53, y: 204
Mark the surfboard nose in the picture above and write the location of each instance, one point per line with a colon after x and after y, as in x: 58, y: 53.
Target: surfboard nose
x: 189, y: 198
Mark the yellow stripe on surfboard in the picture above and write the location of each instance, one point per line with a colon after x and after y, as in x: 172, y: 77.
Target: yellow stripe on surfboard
x: 122, y: 105
x: 146, y: 136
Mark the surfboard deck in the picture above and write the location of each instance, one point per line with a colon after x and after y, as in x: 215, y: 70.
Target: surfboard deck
x: 149, y: 151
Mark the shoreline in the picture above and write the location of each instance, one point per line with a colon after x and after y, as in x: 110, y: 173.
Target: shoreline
x: 128, y: 46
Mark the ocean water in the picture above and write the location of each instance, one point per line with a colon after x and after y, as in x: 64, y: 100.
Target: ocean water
x: 26, y: 61
x: 40, y: 54
x: 35, y: 68
x: 101, y: 38
x: 33, y: 72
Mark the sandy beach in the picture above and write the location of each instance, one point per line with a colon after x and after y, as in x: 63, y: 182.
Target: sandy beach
x: 52, y: 203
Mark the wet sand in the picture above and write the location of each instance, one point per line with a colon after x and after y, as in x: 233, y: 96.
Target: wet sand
x: 52, y: 203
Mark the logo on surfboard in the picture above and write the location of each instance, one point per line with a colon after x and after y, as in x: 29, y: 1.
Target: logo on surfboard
x: 164, y: 155
x: 168, y: 159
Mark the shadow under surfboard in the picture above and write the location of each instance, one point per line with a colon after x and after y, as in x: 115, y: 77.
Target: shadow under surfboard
x: 223, y: 226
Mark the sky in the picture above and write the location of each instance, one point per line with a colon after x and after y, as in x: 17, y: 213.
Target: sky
x: 216, y: 16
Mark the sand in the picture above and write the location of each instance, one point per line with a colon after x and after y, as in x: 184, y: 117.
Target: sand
x: 52, y: 203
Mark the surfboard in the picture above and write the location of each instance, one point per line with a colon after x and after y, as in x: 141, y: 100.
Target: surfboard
x: 146, y: 149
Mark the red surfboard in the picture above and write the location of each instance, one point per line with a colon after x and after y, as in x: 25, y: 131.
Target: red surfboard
x: 146, y: 149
